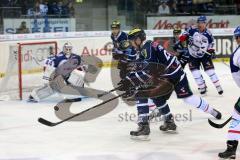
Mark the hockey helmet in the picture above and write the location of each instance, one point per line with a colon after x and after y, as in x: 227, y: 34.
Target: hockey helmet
x: 202, y: 19
x: 67, y: 48
x: 137, y: 33
x: 237, y: 32
x: 176, y: 30
x: 115, y: 24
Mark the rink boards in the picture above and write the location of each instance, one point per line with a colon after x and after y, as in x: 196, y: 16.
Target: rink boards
x: 98, y: 44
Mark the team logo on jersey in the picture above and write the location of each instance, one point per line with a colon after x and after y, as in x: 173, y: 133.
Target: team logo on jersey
x: 144, y: 53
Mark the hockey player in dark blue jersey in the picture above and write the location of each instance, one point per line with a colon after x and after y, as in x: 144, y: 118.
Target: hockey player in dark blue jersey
x: 180, y: 47
x: 117, y: 36
x: 67, y: 65
x: 200, y: 46
x: 172, y: 75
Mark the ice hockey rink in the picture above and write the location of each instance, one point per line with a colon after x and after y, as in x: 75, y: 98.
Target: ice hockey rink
x: 107, y: 137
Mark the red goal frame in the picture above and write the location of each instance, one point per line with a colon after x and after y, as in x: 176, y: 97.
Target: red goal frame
x: 20, y: 61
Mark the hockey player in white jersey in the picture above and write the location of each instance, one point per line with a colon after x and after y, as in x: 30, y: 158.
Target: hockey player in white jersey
x: 200, y: 46
x: 234, y: 128
x: 51, y: 74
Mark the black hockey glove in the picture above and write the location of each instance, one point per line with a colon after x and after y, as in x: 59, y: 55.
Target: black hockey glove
x: 125, y: 85
x: 212, y: 52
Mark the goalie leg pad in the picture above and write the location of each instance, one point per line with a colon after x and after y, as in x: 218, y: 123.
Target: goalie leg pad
x: 49, y: 73
x: 41, y: 93
x: 58, y: 83
x: 76, y: 79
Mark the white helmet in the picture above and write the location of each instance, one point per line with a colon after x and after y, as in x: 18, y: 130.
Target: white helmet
x: 67, y: 48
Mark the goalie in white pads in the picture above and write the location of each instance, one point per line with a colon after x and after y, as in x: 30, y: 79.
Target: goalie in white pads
x: 53, y: 77
x: 234, y: 128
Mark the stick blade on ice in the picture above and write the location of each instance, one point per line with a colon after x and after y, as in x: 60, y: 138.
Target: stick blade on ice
x: 45, y: 122
x: 215, y: 125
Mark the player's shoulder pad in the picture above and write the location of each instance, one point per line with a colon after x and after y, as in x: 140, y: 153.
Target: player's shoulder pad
x: 147, y: 44
x: 208, y: 32
x: 75, y: 55
x: 156, y: 46
x: 124, y: 34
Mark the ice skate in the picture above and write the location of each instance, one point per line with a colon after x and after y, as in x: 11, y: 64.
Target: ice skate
x: 142, y: 133
x: 219, y: 90
x: 169, y: 125
x: 230, y: 152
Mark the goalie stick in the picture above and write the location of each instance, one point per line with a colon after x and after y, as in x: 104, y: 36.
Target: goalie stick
x: 215, y: 125
x: 52, y: 124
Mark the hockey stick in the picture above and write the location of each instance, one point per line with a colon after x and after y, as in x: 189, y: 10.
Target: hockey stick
x: 105, y: 93
x: 73, y: 99
x: 225, y: 63
x: 52, y: 124
x: 215, y: 125
x: 201, y: 49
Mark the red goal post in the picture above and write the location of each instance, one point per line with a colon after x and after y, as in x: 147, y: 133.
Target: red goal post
x: 24, y: 67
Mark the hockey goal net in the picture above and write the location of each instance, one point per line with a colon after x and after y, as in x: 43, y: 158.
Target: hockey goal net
x: 24, y: 68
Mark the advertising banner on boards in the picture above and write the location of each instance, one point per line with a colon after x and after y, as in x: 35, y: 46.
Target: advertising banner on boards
x: 167, y: 22
x: 38, y: 25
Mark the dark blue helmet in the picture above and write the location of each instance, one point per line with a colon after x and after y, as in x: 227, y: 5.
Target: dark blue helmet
x: 237, y: 32
x: 137, y: 33
x: 202, y: 19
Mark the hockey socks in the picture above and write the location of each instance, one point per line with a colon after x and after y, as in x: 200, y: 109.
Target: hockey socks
x: 214, y: 78
x: 200, y: 81
x: 201, y: 104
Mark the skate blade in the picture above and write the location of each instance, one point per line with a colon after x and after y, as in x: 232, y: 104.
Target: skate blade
x: 170, y: 132
x: 141, y: 138
x: 230, y: 158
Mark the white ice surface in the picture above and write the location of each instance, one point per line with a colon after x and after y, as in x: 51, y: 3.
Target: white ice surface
x: 107, y: 138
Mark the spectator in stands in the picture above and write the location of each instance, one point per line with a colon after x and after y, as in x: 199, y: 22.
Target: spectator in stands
x: 182, y: 6
x: 237, y: 2
x: 59, y: 8
x: 24, y: 7
x: 173, y: 6
x: 70, y: 9
x: 35, y: 11
x: 22, y: 28
x: 163, y: 8
x: 43, y: 7
x: 8, y: 3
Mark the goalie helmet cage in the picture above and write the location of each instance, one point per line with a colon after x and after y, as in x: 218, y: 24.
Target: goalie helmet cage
x: 27, y: 71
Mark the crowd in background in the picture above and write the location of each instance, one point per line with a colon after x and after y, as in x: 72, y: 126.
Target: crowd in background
x: 178, y: 7
x: 42, y: 7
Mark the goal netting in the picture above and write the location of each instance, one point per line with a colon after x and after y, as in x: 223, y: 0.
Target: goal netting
x: 23, y: 68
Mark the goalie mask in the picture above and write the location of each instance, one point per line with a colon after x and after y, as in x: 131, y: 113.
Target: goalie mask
x: 67, y: 49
